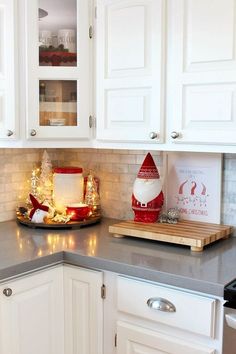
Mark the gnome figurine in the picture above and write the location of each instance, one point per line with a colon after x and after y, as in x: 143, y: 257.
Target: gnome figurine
x: 39, y: 211
x: 147, y: 197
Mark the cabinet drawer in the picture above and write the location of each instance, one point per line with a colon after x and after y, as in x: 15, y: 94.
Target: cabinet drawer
x: 190, y: 312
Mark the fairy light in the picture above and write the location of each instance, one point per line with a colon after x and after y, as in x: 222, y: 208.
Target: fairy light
x: 40, y: 252
x: 34, y: 180
x: 40, y: 185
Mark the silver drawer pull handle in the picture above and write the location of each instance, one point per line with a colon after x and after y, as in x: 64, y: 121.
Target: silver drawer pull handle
x: 7, y: 292
x: 160, y: 304
x: 9, y: 133
x: 174, y: 135
x: 153, y: 135
x: 33, y: 132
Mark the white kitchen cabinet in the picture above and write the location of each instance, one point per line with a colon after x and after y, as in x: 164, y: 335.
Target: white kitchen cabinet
x: 55, y: 311
x: 83, y: 311
x: 200, y: 67
x: 165, y: 74
x: 132, y: 339
x: 31, y: 314
x: 130, y: 76
x: 62, y: 310
x: 58, y: 69
x: 153, y: 318
x: 8, y: 70
x: 201, y: 95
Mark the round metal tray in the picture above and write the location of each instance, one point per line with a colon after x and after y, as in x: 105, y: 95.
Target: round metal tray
x: 55, y: 225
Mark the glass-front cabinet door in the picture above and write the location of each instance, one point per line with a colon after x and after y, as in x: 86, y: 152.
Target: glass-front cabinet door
x: 58, y: 69
x: 8, y: 61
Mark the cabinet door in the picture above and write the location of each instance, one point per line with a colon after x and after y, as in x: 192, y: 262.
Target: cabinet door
x: 8, y: 59
x: 130, y: 70
x: 201, y: 96
x: 132, y: 339
x: 32, y: 317
x: 83, y: 311
x: 58, y: 69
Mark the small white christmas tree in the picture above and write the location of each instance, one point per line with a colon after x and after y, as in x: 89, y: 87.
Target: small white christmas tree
x: 92, y: 198
x: 45, y: 179
x: 34, y: 186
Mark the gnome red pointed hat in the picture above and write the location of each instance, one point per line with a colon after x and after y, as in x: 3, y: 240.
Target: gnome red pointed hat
x: 148, y: 169
x: 36, y: 205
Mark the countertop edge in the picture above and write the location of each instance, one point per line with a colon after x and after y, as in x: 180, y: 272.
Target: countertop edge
x: 145, y: 274
x: 84, y: 261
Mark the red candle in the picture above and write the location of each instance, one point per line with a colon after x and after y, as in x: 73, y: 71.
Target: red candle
x: 78, y: 211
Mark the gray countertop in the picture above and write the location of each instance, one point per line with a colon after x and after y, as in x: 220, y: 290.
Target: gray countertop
x: 24, y: 249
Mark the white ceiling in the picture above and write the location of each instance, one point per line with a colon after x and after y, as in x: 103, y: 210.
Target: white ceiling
x: 61, y: 14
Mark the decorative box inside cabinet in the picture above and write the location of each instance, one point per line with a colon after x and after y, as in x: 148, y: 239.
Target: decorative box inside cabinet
x: 57, y: 58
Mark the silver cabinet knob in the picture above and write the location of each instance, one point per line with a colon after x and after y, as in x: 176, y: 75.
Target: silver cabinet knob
x: 9, y: 133
x: 160, y: 304
x: 7, y: 292
x: 174, y: 135
x: 33, y: 132
x: 153, y: 135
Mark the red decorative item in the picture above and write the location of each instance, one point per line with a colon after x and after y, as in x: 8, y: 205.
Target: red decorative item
x: 56, y: 58
x: 36, y: 205
x: 147, y: 197
x: 78, y: 211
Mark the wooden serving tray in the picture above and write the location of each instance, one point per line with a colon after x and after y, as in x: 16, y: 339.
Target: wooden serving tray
x: 190, y: 233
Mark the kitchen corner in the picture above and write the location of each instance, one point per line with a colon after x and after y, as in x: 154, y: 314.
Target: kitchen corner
x: 117, y: 118
x: 91, y: 258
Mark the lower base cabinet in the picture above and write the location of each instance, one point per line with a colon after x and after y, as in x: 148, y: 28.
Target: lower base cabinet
x: 83, y: 311
x: 55, y: 311
x: 154, y: 319
x: 31, y: 314
x: 132, y: 339
x: 61, y: 310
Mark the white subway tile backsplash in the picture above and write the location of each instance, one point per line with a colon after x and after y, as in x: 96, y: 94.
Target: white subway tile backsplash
x: 7, y: 215
x: 105, y: 167
x: 111, y: 158
x: 120, y: 168
x: 128, y: 159
x: 127, y: 178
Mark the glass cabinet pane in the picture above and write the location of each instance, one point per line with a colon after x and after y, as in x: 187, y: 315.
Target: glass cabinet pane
x: 58, y: 102
x: 57, y: 32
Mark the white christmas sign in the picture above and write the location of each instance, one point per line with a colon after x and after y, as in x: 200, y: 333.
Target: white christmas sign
x: 193, y: 185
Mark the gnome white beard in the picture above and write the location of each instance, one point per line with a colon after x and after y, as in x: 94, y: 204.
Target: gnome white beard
x: 146, y: 190
x: 39, y: 216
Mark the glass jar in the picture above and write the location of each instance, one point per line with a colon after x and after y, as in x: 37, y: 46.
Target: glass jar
x: 68, y: 187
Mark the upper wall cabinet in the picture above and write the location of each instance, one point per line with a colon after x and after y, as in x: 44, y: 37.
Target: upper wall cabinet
x: 8, y: 60
x: 130, y: 70
x: 58, y: 69
x: 201, y: 97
